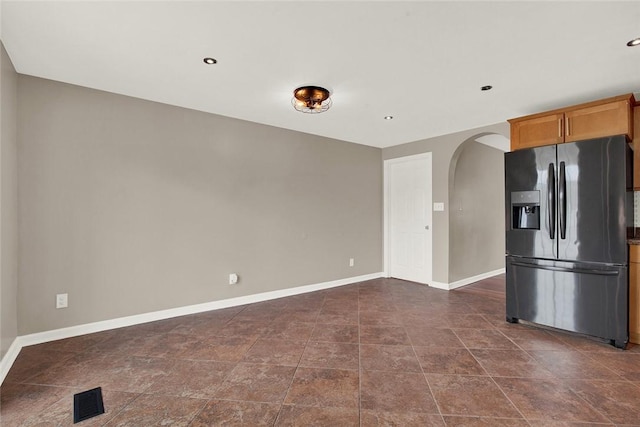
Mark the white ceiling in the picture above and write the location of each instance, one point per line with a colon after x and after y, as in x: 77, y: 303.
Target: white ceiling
x: 422, y: 62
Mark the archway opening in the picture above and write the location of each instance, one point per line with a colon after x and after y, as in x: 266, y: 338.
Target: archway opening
x: 476, y: 214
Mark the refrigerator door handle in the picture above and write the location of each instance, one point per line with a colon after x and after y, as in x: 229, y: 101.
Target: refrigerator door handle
x: 567, y: 270
x: 562, y: 201
x: 551, y: 201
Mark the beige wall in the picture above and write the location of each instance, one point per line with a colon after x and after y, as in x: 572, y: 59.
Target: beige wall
x: 131, y: 206
x: 476, y: 214
x: 8, y: 204
x: 443, y: 148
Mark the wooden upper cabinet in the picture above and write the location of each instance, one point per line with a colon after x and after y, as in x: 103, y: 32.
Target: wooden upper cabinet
x: 611, y: 116
x: 537, y: 131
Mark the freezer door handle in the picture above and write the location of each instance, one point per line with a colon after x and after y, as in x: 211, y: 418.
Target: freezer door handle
x: 568, y: 270
x: 562, y: 201
x: 551, y: 200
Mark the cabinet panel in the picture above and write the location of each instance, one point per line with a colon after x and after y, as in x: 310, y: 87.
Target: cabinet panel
x: 545, y: 130
x: 634, y: 295
x: 601, y: 120
x: 636, y: 147
x: 634, y: 253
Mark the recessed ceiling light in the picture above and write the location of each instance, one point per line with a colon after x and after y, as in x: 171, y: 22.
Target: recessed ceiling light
x: 634, y: 42
x: 388, y: 117
x: 210, y: 61
x: 487, y: 87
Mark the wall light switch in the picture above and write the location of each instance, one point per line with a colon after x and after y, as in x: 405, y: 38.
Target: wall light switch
x: 438, y: 207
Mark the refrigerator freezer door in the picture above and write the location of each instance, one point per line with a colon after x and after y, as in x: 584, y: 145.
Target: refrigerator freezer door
x: 579, y: 297
x: 530, y: 178
x: 592, y: 193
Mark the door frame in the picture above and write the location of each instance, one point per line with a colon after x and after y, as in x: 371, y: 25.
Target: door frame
x: 386, y: 207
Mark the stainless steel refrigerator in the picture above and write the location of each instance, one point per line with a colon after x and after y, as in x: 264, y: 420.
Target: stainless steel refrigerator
x: 568, y: 211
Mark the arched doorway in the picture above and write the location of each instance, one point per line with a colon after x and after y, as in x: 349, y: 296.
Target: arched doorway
x: 476, y: 215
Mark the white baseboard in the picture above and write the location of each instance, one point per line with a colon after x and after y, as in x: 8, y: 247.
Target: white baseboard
x: 466, y: 281
x: 8, y: 358
x: 88, y: 328
x: 439, y: 285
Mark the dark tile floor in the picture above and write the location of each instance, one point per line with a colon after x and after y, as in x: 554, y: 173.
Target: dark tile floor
x: 378, y: 353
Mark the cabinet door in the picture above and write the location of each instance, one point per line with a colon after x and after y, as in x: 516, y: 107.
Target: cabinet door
x: 534, y: 132
x: 634, y: 294
x: 636, y: 147
x: 613, y: 118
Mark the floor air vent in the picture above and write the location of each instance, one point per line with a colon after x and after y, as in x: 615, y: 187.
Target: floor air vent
x: 87, y: 405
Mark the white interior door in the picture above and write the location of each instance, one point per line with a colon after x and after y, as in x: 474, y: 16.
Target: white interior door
x: 408, y: 218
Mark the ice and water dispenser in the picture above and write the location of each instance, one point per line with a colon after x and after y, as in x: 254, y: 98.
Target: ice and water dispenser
x: 525, y: 210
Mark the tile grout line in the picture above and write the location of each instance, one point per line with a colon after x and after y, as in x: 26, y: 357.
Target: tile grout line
x: 275, y: 421
x: 553, y: 376
x: 491, y: 376
x: 359, y: 364
x: 424, y: 375
x: 293, y: 377
x: 124, y: 407
x: 561, y: 380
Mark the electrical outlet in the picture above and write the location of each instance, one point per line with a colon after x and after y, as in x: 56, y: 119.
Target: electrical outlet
x: 233, y: 278
x: 62, y: 300
x: 351, y: 262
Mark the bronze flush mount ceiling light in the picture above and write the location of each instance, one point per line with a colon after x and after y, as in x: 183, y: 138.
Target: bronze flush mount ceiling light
x: 311, y: 99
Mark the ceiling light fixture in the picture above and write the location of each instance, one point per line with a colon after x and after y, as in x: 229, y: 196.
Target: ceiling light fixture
x: 210, y: 61
x: 388, y: 117
x: 487, y: 87
x: 311, y: 99
x: 634, y: 42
